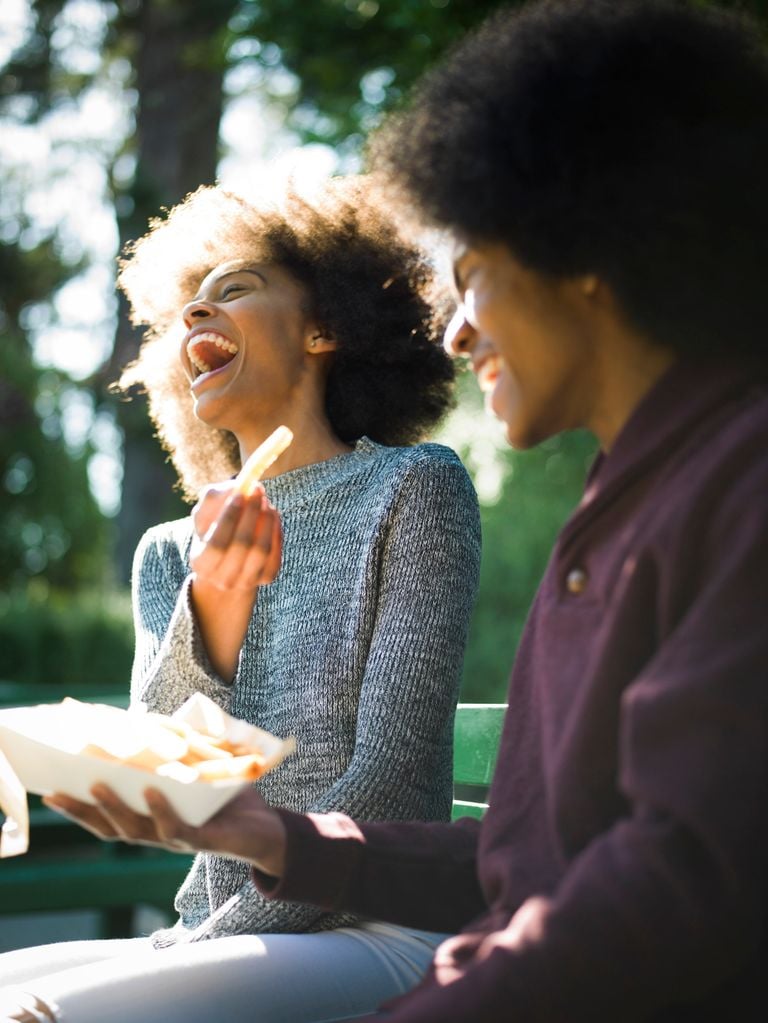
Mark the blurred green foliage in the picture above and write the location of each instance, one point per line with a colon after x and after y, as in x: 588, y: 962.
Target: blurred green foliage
x: 525, y: 496
x: 336, y: 65
x: 541, y: 489
x: 50, y: 524
x: 56, y: 637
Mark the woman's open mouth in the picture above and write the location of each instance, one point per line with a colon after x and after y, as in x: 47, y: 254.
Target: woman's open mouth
x: 487, y: 373
x: 209, y: 351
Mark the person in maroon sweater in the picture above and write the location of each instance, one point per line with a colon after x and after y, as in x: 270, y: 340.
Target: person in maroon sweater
x: 600, y: 169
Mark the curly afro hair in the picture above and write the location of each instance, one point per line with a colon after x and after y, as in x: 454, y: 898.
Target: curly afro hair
x: 622, y: 138
x: 375, y: 293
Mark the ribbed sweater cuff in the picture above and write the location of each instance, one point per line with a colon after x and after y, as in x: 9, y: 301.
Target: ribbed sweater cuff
x: 323, y: 855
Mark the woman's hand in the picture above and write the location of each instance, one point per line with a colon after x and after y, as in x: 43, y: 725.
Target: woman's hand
x: 238, y: 539
x: 236, y: 549
x: 245, y: 828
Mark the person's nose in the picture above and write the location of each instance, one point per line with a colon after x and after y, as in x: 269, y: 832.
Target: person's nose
x: 460, y: 335
x: 195, y: 310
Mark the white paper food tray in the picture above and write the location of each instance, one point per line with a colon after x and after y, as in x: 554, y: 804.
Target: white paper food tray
x: 40, y: 743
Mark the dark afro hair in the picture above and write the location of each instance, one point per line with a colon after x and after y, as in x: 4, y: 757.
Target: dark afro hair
x: 622, y: 138
x: 374, y: 292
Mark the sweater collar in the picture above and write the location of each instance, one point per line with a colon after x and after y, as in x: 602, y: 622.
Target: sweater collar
x: 297, y: 486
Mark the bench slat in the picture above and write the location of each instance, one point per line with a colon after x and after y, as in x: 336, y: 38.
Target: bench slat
x: 476, y: 736
x: 464, y: 808
x: 91, y: 882
x: 476, y: 741
x: 20, y: 694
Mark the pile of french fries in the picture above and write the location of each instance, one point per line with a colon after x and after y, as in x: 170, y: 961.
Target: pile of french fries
x: 173, y: 748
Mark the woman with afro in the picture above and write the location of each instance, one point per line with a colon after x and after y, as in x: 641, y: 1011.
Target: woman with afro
x: 332, y: 605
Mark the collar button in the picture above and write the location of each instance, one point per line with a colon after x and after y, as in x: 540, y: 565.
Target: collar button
x: 576, y: 581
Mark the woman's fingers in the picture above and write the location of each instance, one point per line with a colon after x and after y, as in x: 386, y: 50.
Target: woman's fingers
x: 272, y: 562
x: 242, y: 549
x: 215, y: 515
x: 259, y: 550
x: 170, y: 828
x: 231, y: 523
x: 245, y: 828
x: 84, y: 814
x: 129, y: 825
x: 209, y: 507
x: 109, y: 818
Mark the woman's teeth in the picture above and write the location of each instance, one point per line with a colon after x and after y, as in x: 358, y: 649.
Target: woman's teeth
x: 209, y: 351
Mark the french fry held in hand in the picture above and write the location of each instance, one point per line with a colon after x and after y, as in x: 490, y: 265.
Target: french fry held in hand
x: 261, y: 459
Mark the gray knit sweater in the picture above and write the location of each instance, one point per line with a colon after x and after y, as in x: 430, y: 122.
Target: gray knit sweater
x: 355, y: 649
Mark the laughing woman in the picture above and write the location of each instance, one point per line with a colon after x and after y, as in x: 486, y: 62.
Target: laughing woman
x: 333, y: 605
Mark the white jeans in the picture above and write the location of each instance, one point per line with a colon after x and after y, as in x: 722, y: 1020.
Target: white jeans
x: 268, y: 978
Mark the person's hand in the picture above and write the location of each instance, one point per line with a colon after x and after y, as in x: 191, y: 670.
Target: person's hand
x: 236, y: 548
x: 18, y: 1006
x: 245, y: 828
x: 238, y: 539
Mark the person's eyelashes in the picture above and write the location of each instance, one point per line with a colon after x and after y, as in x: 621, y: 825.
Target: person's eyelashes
x: 231, y: 289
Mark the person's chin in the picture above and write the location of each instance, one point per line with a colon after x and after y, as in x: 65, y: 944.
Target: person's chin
x: 499, y: 406
x: 210, y: 412
x: 503, y: 402
x: 520, y: 434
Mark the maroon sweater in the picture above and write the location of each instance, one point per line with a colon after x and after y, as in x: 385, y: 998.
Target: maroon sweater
x: 620, y: 872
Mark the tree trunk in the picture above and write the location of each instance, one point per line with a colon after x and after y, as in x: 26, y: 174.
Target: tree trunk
x: 179, y: 62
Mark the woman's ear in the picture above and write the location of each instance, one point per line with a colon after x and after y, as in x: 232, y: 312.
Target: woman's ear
x: 317, y: 343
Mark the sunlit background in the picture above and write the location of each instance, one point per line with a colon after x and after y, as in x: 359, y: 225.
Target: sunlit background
x: 57, y: 174
x: 94, y: 140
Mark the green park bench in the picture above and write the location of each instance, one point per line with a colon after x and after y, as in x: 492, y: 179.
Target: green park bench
x: 66, y: 868
x: 476, y: 738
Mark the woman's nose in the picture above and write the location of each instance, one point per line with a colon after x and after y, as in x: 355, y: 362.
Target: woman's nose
x: 195, y: 310
x: 459, y: 335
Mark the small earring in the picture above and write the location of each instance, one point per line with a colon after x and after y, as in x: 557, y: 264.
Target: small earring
x: 589, y: 285
x: 313, y: 342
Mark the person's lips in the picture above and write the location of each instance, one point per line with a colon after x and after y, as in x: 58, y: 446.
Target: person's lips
x: 487, y: 372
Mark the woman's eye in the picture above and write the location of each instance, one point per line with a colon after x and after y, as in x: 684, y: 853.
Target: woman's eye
x: 231, y: 289
x: 463, y: 279
x: 467, y: 277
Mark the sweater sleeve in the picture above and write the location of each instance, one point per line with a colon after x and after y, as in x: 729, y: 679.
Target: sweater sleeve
x: 429, y: 568
x: 418, y: 874
x: 428, y: 583
x: 669, y: 902
x: 170, y: 661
